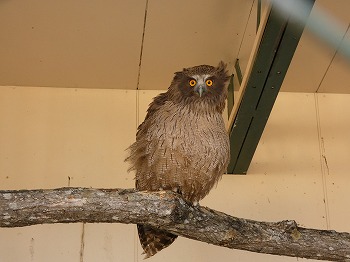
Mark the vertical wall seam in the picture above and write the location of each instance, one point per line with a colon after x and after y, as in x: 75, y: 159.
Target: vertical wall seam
x: 136, y: 247
x: 82, y: 243
x: 323, y: 162
x: 137, y: 94
x: 137, y: 108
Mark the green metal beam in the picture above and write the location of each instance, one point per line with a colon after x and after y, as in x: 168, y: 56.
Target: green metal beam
x: 238, y: 71
x: 258, y: 15
x: 276, y: 50
x: 230, y: 95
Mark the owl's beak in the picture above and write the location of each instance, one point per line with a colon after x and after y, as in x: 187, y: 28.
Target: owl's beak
x: 201, y: 89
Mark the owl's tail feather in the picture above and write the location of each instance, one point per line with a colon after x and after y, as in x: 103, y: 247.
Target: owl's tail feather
x: 153, y: 240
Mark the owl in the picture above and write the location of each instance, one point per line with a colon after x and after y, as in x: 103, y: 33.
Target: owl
x: 182, y: 145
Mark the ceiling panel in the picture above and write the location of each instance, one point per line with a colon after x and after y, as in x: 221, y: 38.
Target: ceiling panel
x: 70, y: 43
x: 308, y: 65
x: 94, y: 44
x: 313, y: 58
x: 186, y: 33
x: 337, y: 78
x: 247, y: 43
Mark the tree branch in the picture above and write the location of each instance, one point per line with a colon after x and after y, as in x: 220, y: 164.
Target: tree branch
x: 169, y: 211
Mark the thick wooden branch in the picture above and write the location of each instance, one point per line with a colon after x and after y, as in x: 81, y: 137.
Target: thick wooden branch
x: 169, y: 211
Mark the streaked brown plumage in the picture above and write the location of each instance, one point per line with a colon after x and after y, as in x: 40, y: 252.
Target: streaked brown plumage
x: 182, y: 145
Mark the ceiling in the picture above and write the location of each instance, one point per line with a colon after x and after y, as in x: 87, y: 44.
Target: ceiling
x: 140, y: 44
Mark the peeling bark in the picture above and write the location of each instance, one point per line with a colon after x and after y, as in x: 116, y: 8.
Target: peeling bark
x: 169, y: 211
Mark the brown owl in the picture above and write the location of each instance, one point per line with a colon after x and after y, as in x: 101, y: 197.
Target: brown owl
x: 182, y: 144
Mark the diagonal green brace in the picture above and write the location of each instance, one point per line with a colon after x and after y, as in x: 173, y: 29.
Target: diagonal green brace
x: 278, y: 44
x: 230, y: 95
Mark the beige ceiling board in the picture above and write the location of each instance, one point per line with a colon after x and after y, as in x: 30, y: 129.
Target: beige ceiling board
x: 312, y: 57
x: 308, y: 65
x: 89, y: 44
x: 337, y: 78
x: 185, y: 33
x: 94, y: 44
x: 247, y: 43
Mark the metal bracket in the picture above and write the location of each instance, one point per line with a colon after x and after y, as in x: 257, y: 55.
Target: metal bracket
x: 278, y: 44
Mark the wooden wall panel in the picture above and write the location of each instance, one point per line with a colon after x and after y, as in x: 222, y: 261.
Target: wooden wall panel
x: 49, y: 134
x: 55, y: 137
x: 334, y: 113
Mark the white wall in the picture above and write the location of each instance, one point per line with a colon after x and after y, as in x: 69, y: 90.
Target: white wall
x: 48, y: 135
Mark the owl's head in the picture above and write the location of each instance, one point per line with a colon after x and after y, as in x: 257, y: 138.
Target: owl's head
x: 202, y: 84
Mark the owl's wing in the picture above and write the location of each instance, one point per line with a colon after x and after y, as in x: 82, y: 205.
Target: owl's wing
x: 157, y: 103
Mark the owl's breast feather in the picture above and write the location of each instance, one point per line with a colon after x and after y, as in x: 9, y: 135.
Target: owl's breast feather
x: 181, y: 148
x: 201, y: 138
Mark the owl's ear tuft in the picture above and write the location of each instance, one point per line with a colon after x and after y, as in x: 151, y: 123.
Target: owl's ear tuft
x: 177, y: 76
x: 221, y: 66
x: 222, y: 71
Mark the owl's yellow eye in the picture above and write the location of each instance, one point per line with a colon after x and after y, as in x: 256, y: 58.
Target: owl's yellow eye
x: 192, y: 82
x: 209, y: 82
